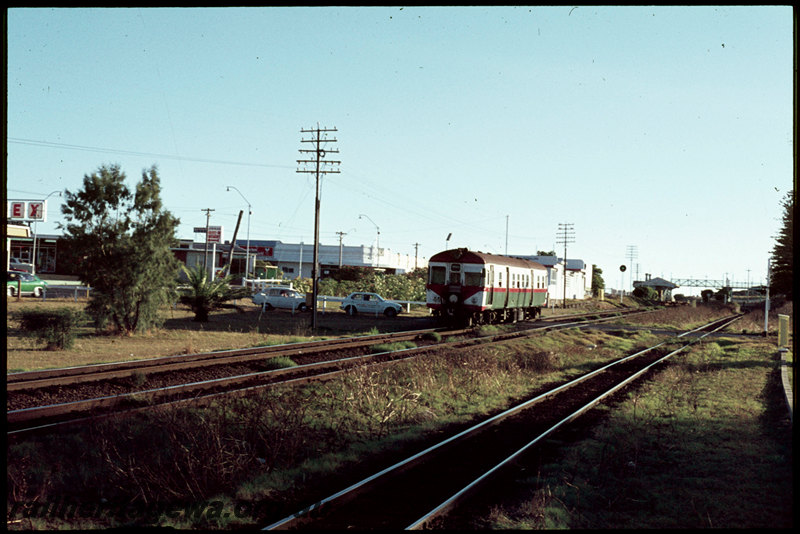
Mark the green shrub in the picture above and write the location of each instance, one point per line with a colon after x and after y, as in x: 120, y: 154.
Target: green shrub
x: 391, y: 347
x: 58, y: 328
x: 280, y: 362
x: 432, y: 336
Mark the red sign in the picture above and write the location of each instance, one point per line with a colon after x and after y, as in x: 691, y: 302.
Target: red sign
x: 17, y: 210
x: 214, y: 234
x: 264, y: 251
x: 27, y: 210
x: 36, y: 211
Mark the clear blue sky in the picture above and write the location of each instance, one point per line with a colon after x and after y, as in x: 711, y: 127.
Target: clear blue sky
x: 664, y: 128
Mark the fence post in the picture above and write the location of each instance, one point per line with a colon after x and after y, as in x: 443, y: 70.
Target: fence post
x: 783, y: 330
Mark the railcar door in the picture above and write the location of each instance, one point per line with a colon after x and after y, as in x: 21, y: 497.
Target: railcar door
x: 490, y: 283
x: 508, y: 286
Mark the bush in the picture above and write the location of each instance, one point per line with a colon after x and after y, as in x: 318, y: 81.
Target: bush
x: 407, y: 286
x: 645, y: 293
x: 58, y: 328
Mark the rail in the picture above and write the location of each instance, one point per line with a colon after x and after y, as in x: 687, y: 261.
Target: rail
x: 383, y: 506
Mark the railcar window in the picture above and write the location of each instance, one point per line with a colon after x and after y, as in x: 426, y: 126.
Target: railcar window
x: 472, y: 279
x: 437, y: 275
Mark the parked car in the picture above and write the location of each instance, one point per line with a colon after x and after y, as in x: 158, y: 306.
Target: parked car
x: 16, y: 264
x: 280, y: 297
x: 25, y: 282
x: 361, y: 302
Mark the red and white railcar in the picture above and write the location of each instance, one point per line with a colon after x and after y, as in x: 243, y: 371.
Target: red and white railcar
x: 477, y: 288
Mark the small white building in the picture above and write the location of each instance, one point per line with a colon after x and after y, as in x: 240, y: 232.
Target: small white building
x: 578, y: 280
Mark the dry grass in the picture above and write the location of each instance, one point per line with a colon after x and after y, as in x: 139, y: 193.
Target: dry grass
x: 753, y: 321
x: 226, y: 329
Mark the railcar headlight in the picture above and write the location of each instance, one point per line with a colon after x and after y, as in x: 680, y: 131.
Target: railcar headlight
x: 453, y: 299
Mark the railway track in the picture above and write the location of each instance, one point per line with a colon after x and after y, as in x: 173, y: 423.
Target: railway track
x: 32, y: 380
x: 416, y: 492
x: 70, y: 407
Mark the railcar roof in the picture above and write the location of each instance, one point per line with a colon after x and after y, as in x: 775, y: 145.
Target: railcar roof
x: 463, y: 255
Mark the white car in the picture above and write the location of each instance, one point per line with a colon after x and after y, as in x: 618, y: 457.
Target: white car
x: 280, y: 297
x: 16, y: 264
x: 361, y: 302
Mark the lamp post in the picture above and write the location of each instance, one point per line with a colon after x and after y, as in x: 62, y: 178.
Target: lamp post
x: 33, y: 259
x: 378, y: 238
x: 447, y: 241
x: 247, y: 253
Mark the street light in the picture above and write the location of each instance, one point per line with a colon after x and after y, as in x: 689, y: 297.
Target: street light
x: 247, y: 254
x: 447, y: 241
x: 33, y: 259
x: 379, y: 237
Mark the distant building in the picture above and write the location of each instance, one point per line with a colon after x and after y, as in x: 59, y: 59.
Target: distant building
x: 579, y: 277
x: 295, y: 259
x: 292, y: 259
x: 663, y: 287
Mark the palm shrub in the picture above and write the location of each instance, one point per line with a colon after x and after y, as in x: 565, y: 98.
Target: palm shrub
x: 205, y: 293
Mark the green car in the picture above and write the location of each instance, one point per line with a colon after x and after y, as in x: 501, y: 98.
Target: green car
x: 26, y: 283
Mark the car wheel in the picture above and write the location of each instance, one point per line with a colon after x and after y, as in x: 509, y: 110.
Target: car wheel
x: 351, y: 310
x: 12, y: 291
x: 390, y: 312
x: 267, y: 306
x: 37, y: 292
x: 302, y: 307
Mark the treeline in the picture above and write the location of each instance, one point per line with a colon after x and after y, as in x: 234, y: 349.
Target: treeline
x: 407, y: 286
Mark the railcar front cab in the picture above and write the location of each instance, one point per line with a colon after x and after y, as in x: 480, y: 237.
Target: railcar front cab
x: 455, y: 290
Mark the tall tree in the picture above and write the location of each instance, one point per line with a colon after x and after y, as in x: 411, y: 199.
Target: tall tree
x: 598, y: 284
x: 782, y: 252
x: 124, y: 241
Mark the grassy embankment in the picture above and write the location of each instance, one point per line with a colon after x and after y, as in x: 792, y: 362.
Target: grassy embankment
x: 259, y: 452
x: 705, y: 443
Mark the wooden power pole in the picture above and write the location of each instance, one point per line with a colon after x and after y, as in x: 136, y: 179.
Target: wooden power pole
x: 318, y: 165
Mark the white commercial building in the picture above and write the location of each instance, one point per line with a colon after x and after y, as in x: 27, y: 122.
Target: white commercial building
x: 295, y: 259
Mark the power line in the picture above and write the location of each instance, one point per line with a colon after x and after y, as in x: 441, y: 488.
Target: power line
x: 134, y: 153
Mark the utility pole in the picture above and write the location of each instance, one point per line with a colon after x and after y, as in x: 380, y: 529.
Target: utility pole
x: 506, y: 235
x: 766, y: 300
x: 318, y: 140
x: 416, y: 252
x: 566, y: 234
x: 632, y: 253
x: 205, y: 255
x: 341, y: 235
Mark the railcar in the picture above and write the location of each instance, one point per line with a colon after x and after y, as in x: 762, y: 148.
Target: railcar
x: 468, y: 287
